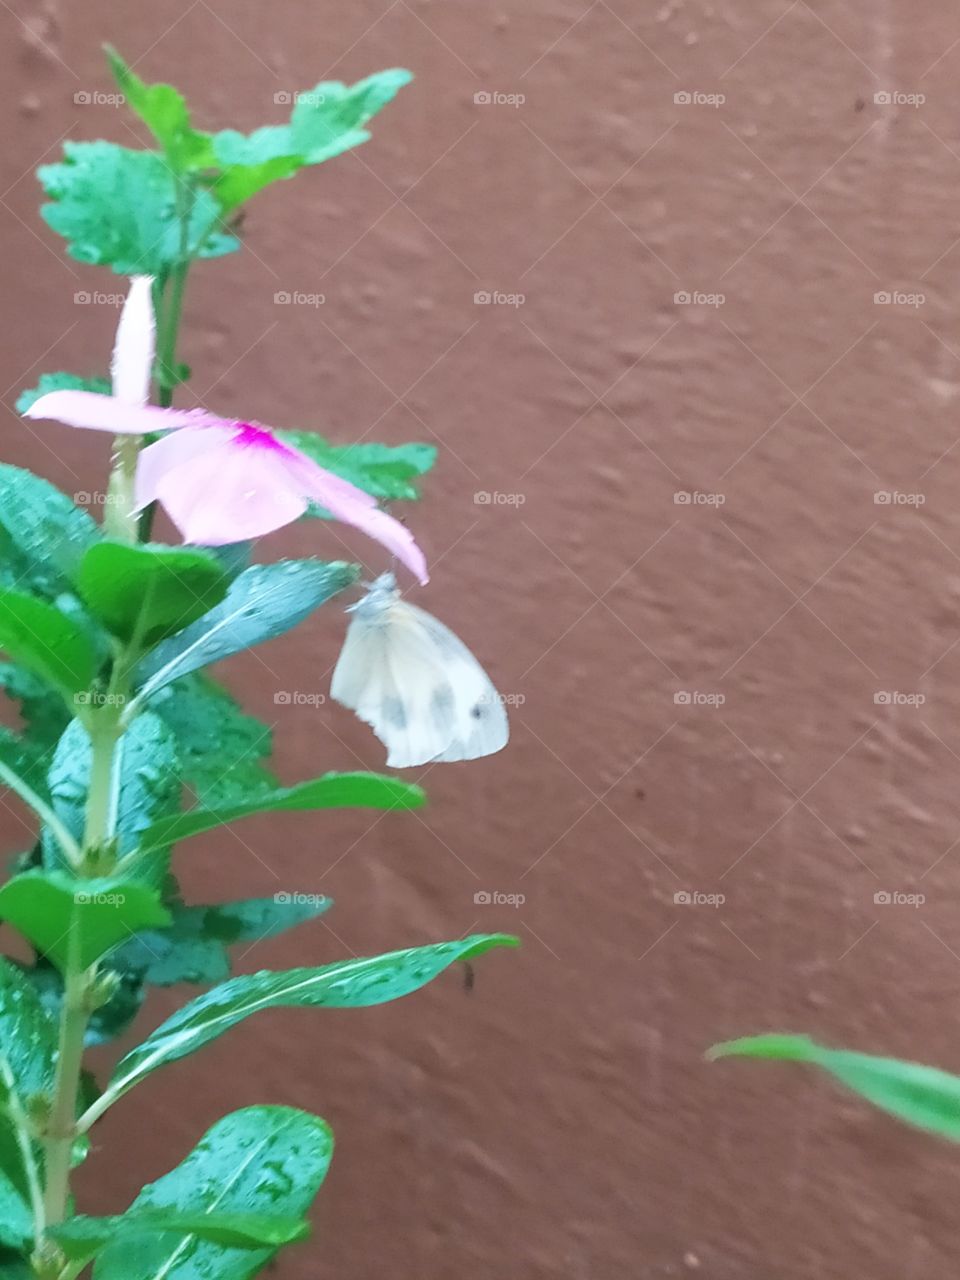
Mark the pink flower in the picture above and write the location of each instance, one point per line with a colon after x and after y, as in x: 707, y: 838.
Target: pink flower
x: 219, y: 480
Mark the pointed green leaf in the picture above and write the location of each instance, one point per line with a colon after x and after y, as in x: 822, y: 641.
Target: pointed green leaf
x: 48, y: 907
x: 920, y: 1095
x: 45, y: 532
x: 253, y: 1164
x: 164, y: 111
x: 264, y: 601
x: 332, y: 791
x: 348, y: 984
x: 118, y: 208
x: 385, y: 471
x: 60, y: 382
x: 149, y: 592
x: 46, y: 642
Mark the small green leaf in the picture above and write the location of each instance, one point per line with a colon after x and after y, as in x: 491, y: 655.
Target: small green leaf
x: 46, y: 642
x: 256, y: 1170
x: 920, y: 1095
x: 221, y: 748
x: 55, y: 912
x: 60, y: 382
x: 264, y: 601
x: 347, y: 984
x: 385, y: 471
x: 43, y: 529
x: 147, y: 769
x: 118, y: 208
x: 149, y: 592
x: 332, y: 791
x: 82, y: 1238
x: 164, y: 111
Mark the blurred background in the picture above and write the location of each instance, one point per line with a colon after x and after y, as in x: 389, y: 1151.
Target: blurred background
x: 672, y: 288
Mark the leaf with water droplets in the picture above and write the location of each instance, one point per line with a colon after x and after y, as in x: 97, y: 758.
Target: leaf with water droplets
x: 255, y: 1172
x: 347, y: 984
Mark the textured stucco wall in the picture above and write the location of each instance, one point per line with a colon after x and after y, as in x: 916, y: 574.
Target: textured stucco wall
x: 558, y: 1120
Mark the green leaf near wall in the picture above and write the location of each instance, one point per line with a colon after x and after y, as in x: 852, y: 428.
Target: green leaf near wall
x: 164, y: 111
x: 46, y: 532
x: 41, y: 638
x: 389, y: 472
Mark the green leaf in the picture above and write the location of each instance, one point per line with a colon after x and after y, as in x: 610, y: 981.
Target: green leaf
x: 164, y: 111
x: 14, y: 1266
x: 28, y: 1040
x: 264, y: 601
x: 221, y: 748
x: 348, y: 984
x: 46, y: 642
x: 44, y: 530
x: 118, y: 208
x: 194, y: 947
x: 325, y: 122
x: 332, y: 791
x: 47, y: 907
x: 60, y: 382
x: 41, y: 708
x: 149, y: 592
x: 385, y: 471
x: 253, y: 1163
x: 147, y: 768
x: 82, y: 1238
x: 920, y: 1095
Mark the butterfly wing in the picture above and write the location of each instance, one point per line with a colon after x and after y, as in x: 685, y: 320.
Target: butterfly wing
x: 419, y: 688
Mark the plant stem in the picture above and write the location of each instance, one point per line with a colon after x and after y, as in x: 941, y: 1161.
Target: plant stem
x: 119, y: 519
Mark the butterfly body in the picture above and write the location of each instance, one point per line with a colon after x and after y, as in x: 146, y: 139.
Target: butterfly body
x: 415, y: 683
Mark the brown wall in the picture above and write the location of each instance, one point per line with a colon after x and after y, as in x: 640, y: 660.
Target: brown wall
x: 559, y: 1120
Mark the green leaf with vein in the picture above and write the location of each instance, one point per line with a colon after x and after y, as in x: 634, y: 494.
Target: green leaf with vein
x: 386, y: 471
x: 45, y: 641
x: 149, y: 592
x: 82, y: 1238
x: 221, y: 748
x: 164, y: 111
x: 118, y: 208
x: 195, y: 946
x: 347, y: 984
x: 325, y: 122
x: 60, y: 382
x: 264, y: 601
x: 256, y: 1162
x: 332, y: 791
x: 44, y: 533
x: 923, y: 1096
x: 147, y: 768
x: 51, y: 907
x: 28, y: 1040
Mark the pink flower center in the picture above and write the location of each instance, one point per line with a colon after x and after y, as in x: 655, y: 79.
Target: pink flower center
x: 251, y: 437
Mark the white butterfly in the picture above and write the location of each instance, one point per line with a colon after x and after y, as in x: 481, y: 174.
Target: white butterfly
x: 415, y: 683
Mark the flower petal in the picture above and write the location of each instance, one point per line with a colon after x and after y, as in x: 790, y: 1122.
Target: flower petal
x: 346, y: 502
x: 224, y: 494
x: 173, y: 449
x: 105, y: 413
x: 132, y: 366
